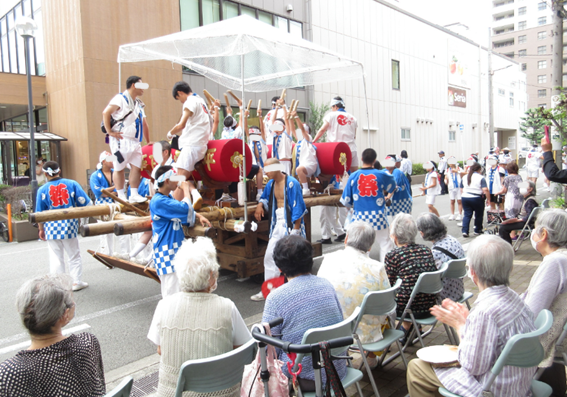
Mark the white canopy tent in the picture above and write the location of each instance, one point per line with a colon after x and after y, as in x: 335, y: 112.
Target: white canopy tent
x: 243, y: 53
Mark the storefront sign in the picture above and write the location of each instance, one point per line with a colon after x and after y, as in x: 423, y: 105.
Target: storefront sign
x: 457, y: 97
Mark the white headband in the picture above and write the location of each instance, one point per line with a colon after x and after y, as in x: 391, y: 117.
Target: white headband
x: 171, y: 175
x: 274, y: 167
x: 336, y: 102
x: 50, y: 171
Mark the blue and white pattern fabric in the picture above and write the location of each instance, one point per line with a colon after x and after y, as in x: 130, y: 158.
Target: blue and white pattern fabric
x: 293, y: 197
x: 364, y: 193
x: 168, y: 216
x: 143, y: 188
x: 98, y: 182
x: 281, y: 147
x: 59, y: 194
x: 260, y: 151
x: 402, y: 200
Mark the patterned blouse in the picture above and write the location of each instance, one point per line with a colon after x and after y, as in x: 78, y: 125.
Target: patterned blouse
x: 69, y: 368
x: 514, y: 198
x: 408, y: 263
x: 452, y: 288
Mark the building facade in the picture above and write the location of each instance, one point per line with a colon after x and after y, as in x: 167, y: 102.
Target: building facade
x: 426, y: 86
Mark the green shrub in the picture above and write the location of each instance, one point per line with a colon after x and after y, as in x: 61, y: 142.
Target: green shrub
x: 417, y: 169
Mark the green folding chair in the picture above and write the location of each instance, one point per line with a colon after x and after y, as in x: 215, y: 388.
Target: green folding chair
x: 522, y: 350
x: 545, y: 203
x: 457, y: 269
x: 343, y: 329
x: 560, y: 357
x: 213, y: 374
x: 123, y: 389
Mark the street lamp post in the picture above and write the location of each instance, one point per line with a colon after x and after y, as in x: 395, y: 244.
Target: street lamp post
x: 26, y: 27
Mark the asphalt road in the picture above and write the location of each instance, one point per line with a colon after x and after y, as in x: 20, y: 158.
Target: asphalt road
x: 118, y: 306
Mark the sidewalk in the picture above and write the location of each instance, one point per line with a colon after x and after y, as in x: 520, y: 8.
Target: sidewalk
x: 390, y: 380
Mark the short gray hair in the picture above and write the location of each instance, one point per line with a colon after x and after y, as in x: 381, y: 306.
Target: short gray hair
x: 431, y: 226
x: 554, y: 221
x: 533, y: 186
x: 360, y: 236
x: 194, y: 263
x: 42, y: 301
x: 404, y: 228
x: 492, y: 259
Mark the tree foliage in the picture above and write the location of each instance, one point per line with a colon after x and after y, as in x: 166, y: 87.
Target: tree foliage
x: 532, y: 125
x: 316, y: 117
x: 557, y: 116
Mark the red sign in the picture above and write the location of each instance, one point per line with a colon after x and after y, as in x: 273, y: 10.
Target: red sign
x: 457, y: 97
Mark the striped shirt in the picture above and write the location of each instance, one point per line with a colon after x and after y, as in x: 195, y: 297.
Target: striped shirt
x: 497, y: 315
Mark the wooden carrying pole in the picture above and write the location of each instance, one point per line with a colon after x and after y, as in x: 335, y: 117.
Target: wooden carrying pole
x: 139, y: 225
x: 76, y: 213
x: 125, y: 203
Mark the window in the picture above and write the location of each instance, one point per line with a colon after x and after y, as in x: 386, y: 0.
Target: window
x: 542, y: 105
x: 541, y: 6
x: 524, y: 66
x: 395, y: 74
x: 511, y: 99
x: 541, y: 64
x: 542, y: 79
x: 522, y: 11
x: 522, y: 39
x: 452, y: 136
x: 522, y: 25
x: 541, y: 35
x: 541, y: 21
x: 406, y: 134
x: 522, y: 53
x: 541, y: 50
x: 541, y: 93
x: 501, y: 92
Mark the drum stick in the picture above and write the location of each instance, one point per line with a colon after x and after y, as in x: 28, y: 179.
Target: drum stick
x: 282, y: 96
x: 237, y: 99
x: 290, y: 109
x: 209, y: 96
x: 249, y: 104
x: 259, y: 106
x: 226, y: 100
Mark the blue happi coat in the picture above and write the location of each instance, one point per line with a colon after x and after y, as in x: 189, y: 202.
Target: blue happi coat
x: 98, y: 182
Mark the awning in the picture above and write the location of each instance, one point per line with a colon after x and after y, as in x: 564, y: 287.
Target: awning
x: 25, y: 136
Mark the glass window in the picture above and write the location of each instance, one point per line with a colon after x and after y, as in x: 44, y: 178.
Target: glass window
x: 521, y: 25
x: 406, y: 134
x: 541, y: 64
x: 542, y: 105
x: 42, y: 116
x: 452, y: 136
x: 395, y: 74
x: 541, y: 93
x: 522, y: 11
x: 281, y: 23
x: 189, y: 14
x: 248, y: 11
x: 541, y: 20
x: 229, y: 9
x: 522, y: 53
x: 38, y: 42
x: 541, y: 50
x: 265, y: 17
x: 541, y: 35
x: 522, y: 39
x: 511, y: 102
x: 296, y: 28
x: 541, y: 6
x: 524, y: 66
x: 541, y: 79
x: 501, y: 92
x: 211, y: 9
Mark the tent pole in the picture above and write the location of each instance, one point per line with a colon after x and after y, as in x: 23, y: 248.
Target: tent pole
x: 119, y: 74
x: 366, y: 99
x: 242, y: 114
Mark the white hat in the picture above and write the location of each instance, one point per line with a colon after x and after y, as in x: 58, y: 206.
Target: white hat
x: 389, y: 161
x: 105, y: 156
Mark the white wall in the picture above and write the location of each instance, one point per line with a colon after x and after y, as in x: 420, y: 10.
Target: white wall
x: 374, y: 33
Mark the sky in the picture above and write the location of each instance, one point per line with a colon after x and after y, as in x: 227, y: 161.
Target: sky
x: 7, y: 5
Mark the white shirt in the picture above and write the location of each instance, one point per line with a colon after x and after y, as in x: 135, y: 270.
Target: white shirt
x: 478, y: 182
x: 268, y: 121
x: 169, y: 161
x: 128, y: 126
x: 308, y: 153
x: 406, y: 166
x: 450, y: 175
x: 342, y: 128
x: 442, y: 165
x: 533, y: 160
x: 285, y: 146
x: 264, y: 155
x: 240, y: 333
x: 198, y: 127
x: 433, y: 191
x: 231, y: 133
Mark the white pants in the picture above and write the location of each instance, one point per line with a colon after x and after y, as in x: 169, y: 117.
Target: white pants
x: 270, y: 268
x: 287, y: 165
x: 106, y: 245
x: 330, y: 222
x: 169, y: 284
x: 57, y: 249
x: 386, y: 244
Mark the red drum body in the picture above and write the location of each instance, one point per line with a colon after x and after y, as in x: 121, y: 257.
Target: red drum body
x: 333, y: 157
x: 148, y: 161
x: 223, y: 158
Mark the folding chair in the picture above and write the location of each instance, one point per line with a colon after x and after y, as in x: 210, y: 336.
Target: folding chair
x: 427, y: 283
x: 457, y: 268
x: 123, y: 389
x: 522, y: 350
x: 379, y: 303
x: 560, y: 358
x: 216, y: 373
x: 545, y: 203
x: 527, y: 229
x: 343, y: 329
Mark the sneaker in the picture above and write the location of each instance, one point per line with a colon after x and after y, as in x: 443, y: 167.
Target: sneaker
x: 306, y: 192
x: 259, y: 297
x: 198, y: 204
x: 477, y: 234
x: 452, y: 217
x: 80, y: 285
x: 325, y: 241
x: 465, y: 234
x: 340, y: 238
x: 458, y: 218
x: 460, y: 224
x: 136, y: 198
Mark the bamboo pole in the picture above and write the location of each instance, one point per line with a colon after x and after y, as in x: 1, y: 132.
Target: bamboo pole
x: 96, y: 229
x: 125, y: 203
x: 80, y: 212
x: 142, y: 224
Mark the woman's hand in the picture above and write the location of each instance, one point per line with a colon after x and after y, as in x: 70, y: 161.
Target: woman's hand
x: 450, y: 313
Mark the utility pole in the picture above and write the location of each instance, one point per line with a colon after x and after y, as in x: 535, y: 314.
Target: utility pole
x: 490, y: 94
x: 557, y: 67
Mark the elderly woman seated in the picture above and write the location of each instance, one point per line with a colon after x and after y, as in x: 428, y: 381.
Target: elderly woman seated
x: 444, y: 249
x: 407, y: 262
x: 528, y: 190
x: 195, y: 323
x: 352, y: 282
x: 497, y: 315
x: 54, y: 365
x: 548, y: 289
x: 304, y: 302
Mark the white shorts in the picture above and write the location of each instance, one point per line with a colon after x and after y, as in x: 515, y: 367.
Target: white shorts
x: 130, y: 149
x: 455, y: 194
x: 533, y: 173
x: 287, y: 165
x: 354, y: 162
x: 430, y: 199
x: 311, y: 168
x: 189, y: 156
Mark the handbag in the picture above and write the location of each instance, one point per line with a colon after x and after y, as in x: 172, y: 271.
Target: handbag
x: 253, y: 386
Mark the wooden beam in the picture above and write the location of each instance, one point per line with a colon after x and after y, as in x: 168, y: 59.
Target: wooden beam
x: 80, y: 212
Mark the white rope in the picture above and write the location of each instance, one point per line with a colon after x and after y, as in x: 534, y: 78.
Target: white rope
x: 113, y: 209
